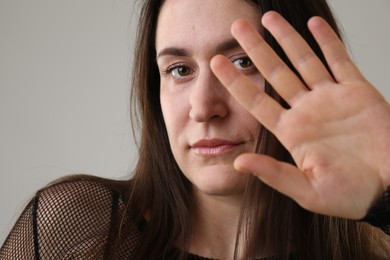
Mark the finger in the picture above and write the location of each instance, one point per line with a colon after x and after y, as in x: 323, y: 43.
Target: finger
x: 281, y: 176
x: 334, y: 51
x: 307, y: 63
x: 277, y: 73
x: 255, y: 100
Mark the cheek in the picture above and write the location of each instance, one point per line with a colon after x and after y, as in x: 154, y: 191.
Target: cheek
x: 258, y: 79
x: 246, y: 120
x: 175, y: 118
x: 174, y: 111
x: 253, y: 127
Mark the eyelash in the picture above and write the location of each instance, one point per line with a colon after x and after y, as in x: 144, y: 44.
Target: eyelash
x: 248, y: 70
x: 169, y: 70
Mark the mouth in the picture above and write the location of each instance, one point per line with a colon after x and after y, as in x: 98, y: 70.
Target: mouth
x: 213, y: 147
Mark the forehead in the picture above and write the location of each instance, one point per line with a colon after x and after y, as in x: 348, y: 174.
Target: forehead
x: 192, y: 22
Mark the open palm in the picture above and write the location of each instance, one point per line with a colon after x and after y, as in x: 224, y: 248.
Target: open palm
x: 337, y: 130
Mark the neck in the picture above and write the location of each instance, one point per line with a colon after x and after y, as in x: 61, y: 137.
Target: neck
x: 214, y: 228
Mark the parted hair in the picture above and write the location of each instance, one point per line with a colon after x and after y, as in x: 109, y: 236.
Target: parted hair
x: 160, y: 191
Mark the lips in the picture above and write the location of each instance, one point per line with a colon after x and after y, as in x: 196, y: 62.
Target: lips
x: 213, y: 147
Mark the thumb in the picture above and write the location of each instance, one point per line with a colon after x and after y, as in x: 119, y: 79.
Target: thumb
x: 281, y: 176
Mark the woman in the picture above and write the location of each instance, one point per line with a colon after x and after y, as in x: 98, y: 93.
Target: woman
x: 186, y: 200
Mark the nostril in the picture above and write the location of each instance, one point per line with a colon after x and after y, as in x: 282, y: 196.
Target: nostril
x: 212, y: 111
x: 208, y: 98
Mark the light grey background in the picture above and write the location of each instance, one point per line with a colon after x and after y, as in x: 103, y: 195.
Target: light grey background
x: 64, y: 87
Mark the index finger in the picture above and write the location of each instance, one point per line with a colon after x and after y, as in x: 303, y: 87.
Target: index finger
x: 271, y: 66
x: 264, y: 108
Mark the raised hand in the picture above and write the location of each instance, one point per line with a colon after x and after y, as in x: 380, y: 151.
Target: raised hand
x: 338, y: 131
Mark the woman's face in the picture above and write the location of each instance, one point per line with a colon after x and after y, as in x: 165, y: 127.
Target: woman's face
x: 207, y: 128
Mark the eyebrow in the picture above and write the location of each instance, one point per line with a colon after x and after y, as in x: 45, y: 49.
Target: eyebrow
x: 172, y: 51
x: 224, y: 46
x: 227, y: 45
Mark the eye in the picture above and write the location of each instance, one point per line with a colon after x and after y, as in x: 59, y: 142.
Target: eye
x: 180, y: 71
x: 243, y: 63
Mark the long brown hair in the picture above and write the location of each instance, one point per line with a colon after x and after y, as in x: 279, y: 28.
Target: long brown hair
x: 160, y: 191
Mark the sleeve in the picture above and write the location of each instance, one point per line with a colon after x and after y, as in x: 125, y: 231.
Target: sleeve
x: 379, y: 214
x: 69, y: 220
x: 20, y: 242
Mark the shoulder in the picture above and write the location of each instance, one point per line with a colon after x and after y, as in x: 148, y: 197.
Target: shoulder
x: 77, y: 198
x: 77, y: 216
x: 69, y: 193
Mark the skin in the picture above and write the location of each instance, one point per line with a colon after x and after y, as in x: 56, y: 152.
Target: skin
x: 196, y: 106
x: 337, y: 132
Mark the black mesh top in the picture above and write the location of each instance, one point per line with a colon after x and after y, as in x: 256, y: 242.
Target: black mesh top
x: 70, y: 220
x: 75, y: 220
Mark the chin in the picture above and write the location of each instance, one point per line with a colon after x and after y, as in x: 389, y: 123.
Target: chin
x: 219, y: 179
x: 221, y: 186
x: 222, y: 192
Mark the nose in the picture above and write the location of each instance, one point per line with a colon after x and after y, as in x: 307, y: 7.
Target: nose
x: 208, y: 98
